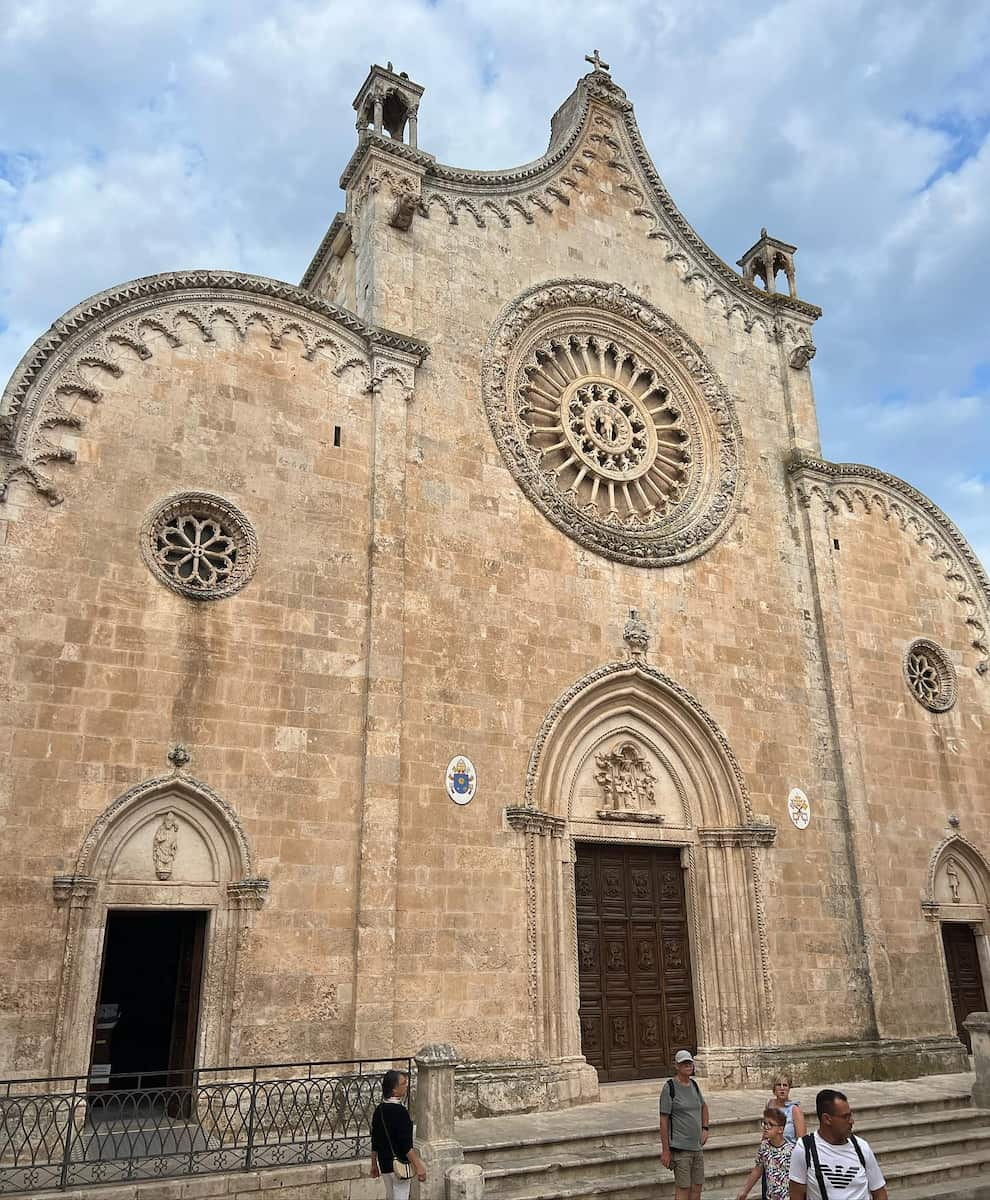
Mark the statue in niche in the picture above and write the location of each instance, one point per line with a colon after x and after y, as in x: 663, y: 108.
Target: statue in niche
x: 952, y: 875
x: 166, y: 846
x: 628, y: 784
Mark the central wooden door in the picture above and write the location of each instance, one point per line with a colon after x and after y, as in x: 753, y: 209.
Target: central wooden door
x: 965, y: 976
x: 637, y: 1007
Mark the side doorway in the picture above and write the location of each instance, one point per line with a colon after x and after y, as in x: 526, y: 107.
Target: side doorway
x: 634, y: 962
x: 147, y: 1013
x: 962, y: 961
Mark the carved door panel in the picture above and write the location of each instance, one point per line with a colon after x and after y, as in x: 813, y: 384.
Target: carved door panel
x: 634, y: 965
x: 965, y: 976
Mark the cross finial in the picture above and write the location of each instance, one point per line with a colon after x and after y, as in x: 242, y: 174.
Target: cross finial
x: 596, y: 61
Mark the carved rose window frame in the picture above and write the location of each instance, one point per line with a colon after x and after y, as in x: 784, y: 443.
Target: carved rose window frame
x: 199, y: 545
x: 612, y: 422
x: 930, y: 675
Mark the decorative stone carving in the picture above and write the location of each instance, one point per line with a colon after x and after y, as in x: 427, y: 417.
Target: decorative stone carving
x: 165, y: 846
x: 628, y: 784
x: 525, y: 819
x: 801, y: 355
x: 179, y: 756
x: 612, y: 422
x: 636, y: 636
x: 930, y: 675
x: 199, y: 545
x: 739, y: 835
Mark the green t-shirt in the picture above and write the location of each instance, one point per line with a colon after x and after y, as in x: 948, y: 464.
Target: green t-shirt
x: 684, y: 1111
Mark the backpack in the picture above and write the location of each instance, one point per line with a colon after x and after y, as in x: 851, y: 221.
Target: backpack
x: 670, y: 1087
x: 811, y: 1156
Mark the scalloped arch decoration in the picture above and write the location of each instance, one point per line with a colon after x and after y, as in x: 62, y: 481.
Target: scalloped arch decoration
x: 61, y: 363
x: 854, y: 485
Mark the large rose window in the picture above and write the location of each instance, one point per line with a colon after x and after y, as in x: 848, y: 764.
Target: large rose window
x: 612, y: 422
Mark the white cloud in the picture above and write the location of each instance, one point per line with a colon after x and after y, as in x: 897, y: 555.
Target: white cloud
x: 173, y: 133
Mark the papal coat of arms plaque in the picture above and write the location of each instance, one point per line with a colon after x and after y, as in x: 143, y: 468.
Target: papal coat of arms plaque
x: 461, y: 779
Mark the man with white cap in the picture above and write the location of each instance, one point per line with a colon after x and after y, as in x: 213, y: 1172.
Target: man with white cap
x: 683, y: 1128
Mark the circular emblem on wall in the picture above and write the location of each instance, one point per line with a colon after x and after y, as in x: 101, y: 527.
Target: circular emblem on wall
x: 200, y: 545
x: 612, y: 422
x: 461, y: 779
x: 930, y: 675
x: 799, y: 808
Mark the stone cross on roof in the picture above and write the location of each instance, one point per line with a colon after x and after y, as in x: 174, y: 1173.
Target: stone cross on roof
x: 596, y: 61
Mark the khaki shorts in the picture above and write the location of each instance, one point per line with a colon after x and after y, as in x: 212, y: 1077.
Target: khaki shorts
x: 688, y: 1167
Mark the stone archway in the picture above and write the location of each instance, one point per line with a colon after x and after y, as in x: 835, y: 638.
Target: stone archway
x: 957, y: 903
x: 627, y: 756
x: 167, y: 844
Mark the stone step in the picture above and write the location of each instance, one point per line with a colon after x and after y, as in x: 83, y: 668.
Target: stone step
x: 961, y: 1137
x: 737, y: 1138
x: 959, y: 1176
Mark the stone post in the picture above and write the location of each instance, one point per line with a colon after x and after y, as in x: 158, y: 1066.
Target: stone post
x: 465, y: 1182
x: 435, y: 1141
x: 978, y: 1024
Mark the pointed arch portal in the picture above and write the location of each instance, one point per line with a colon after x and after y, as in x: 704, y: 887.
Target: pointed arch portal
x: 956, y: 901
x: 158, y: 913
x: 628, y: 764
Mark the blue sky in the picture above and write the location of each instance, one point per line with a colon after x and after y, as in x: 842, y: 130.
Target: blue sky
x: 151, y: 136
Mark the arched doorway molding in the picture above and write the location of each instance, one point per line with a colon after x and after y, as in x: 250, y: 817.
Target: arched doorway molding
x: 203, y: 861
x: 702, y: 807
x: 957, y: 891
x: 958, y: 884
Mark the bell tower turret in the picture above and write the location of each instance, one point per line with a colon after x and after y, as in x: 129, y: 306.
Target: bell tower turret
x: 388, y: 104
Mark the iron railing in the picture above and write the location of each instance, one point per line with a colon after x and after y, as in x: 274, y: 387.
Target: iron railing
x: 61, y: 1132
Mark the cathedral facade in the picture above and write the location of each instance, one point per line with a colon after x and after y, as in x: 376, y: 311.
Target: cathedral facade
x: 471, y: 645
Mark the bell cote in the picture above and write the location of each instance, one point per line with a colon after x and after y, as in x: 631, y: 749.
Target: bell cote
x: 388, y: 105
x: 765, y: 259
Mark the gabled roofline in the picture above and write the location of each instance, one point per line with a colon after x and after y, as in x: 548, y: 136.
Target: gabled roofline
x: 568, y: 124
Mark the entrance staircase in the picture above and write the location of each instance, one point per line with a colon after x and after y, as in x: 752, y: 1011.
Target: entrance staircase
x: 930, y: 1141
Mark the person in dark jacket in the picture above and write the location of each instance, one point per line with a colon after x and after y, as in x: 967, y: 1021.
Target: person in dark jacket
x: 392, y: 1137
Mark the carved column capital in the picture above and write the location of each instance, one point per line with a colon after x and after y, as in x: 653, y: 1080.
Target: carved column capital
x: 248, y: 893
x: 75, y: 888
x: 525, y: 819
x: 739, y: 835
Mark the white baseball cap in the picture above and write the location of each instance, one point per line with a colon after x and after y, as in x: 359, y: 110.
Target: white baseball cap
x: 683, y: 1056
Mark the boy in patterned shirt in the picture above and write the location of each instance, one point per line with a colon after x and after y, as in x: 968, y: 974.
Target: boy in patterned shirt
x: 773, y: 1159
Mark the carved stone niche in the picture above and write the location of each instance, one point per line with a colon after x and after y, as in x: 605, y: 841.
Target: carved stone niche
x: 954, y: 884
x: 624, y: 776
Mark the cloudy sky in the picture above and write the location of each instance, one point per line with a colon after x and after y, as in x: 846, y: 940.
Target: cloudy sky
x: 146, y: 135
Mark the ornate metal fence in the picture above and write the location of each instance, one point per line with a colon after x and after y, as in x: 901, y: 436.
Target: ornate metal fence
x: 61, y: 1133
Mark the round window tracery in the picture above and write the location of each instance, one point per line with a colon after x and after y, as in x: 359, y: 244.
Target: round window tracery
x: 200, y: 545
x: 930, y: 675
x: 612, y: 422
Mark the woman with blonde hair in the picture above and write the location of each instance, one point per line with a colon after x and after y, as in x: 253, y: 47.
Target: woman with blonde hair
x: 796, y: 1126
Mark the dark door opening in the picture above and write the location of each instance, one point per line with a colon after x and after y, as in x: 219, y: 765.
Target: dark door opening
x: 634, y: 962
x: 962, y: 961
x: 147, y: 1013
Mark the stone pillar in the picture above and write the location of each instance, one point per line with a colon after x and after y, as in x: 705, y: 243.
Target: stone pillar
x: 978, y: 1024
x: 413, y: 127
x: 435, y: 1065
x: 375, y: 993
x: 465, y: 1182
